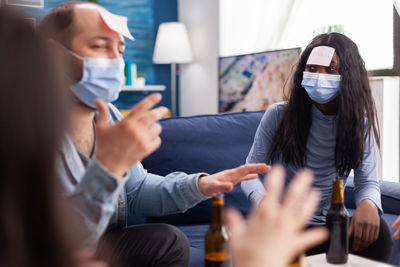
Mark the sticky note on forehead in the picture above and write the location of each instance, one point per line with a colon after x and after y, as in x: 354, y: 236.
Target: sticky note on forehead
x: 321, y: 55
x: 116, y: 23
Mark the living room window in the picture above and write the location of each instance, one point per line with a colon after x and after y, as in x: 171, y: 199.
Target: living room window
x: 260, y: 25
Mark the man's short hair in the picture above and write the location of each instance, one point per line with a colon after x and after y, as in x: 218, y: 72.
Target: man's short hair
x: 58, y: 23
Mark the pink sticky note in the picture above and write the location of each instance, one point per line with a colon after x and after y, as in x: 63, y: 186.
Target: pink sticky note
x: 321, y: 55
x: 116, y: 23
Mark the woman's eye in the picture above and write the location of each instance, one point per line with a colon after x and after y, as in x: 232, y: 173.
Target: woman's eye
x: 332, y: 69
x: 311, y: 68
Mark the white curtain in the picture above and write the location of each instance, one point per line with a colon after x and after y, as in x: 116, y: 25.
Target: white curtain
x: 249, y: 26
x: 255, y: 25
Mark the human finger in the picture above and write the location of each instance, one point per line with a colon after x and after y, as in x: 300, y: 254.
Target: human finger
x: 154, y: 145
x: 376, y: 233
x: 367, y: 236
x: 83, y: 255
x: 358, y: 233
x: 155, y: 130
x: 236, y: 222
x: 396, y: 222
x: 309, y: 239
x: 103, y: 115
x: 351, y: 228
x: 85, y: 258
x: 274, y: 183
x: 222, y: 187
x: 397, y: 233
x: 93, y: 264
x: 245, y: 169
x: 237, y: 174
x: 308, y: 207
x: 248, y: 177
x: 298, y: 189
x: 144, y: 105
x: 153, y: 116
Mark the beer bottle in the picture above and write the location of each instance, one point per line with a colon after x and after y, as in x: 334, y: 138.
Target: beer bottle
x: 337, y: 221
x: 217, y: 251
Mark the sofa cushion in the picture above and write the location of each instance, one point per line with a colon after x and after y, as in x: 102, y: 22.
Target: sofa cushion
x: 390, y: 196
x: 196, y: 234
x: 207, y: 143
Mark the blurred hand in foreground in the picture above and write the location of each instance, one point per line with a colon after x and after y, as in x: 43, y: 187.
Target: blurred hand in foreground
x: 274, y: 234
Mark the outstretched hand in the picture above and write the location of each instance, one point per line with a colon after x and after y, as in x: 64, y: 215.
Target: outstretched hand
x: 123, y: 144
x: 224, y: 181
x: 274, y: 234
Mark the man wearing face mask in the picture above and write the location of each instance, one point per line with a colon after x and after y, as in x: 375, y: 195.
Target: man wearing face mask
x: 100, y: 158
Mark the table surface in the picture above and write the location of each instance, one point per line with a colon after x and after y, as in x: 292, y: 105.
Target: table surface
x: 319, y: 260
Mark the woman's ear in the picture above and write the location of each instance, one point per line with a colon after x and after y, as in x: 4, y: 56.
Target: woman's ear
x: 72, y: 65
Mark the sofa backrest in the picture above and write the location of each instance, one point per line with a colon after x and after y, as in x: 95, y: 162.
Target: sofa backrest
x: 207, y: 143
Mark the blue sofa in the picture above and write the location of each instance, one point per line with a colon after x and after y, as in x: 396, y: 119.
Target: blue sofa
x: 211, y: 143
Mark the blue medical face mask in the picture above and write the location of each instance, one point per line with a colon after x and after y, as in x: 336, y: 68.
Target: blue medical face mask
x: 321, y: 88
x: 102, y: 78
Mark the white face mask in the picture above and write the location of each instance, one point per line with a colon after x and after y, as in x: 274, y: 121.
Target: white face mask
x: 102, y: 78
x: 321, y: 88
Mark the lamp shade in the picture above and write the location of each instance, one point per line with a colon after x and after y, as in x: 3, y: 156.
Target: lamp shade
x: 396, y: 4
x: 172, y: 44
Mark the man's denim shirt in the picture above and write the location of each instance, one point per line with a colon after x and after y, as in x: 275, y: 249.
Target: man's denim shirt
x: 101, y: 199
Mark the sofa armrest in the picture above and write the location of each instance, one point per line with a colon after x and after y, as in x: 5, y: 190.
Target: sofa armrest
x: 390, y: 195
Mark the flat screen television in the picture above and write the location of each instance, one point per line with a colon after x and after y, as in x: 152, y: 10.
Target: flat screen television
x: 252, y: 82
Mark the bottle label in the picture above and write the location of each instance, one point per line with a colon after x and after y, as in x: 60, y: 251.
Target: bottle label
x: 218, y: 256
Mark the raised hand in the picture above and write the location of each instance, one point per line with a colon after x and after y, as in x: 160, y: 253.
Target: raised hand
x: 123, y: 144
x: 224, y: 181
x: 274, y: 233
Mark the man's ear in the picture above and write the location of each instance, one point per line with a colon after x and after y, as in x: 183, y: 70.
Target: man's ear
x: 72, y: 65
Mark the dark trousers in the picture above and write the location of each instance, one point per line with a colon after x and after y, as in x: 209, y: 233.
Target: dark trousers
x: 380, y: 250
x: 145, y: 245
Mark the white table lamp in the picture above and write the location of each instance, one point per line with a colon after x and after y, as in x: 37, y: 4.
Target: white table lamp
x: 172, y: 47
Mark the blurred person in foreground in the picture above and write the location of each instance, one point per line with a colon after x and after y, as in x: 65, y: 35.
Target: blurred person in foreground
x: 32, y: 219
